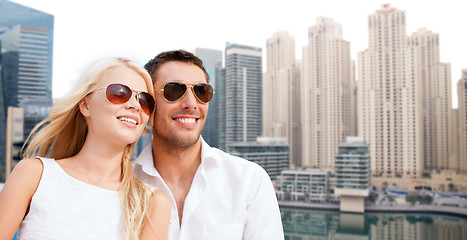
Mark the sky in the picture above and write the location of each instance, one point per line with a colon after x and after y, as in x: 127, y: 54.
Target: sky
x: 88, y: 30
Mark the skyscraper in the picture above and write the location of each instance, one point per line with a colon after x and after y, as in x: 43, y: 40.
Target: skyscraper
x: 280, y: 93
x: 243, y: 93
x: 212, y: 60
x: 326, y: 89
x: 462, y: 121
x: 388, y: 98
x: 434, y: 82
x: 26, y: 42
x: 404, y: 97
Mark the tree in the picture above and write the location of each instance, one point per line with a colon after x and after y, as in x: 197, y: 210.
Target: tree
x: 373, y: 197
x: 385, y: 185
x: 427, y: 199
x: 411, y: 198
x: 452, y: 187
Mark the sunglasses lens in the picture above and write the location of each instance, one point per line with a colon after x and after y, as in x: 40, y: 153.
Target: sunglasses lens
x: 147, y: 102
x: 203, y: 91
x: 174, y: 91
x: 118, y: 93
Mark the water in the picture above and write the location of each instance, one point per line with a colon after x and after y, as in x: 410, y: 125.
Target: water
x: 318, y: 224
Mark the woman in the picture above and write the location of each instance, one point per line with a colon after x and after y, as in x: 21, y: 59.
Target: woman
x: 89, y: 190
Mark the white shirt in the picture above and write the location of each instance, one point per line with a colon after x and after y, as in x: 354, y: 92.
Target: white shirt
x: 229, y: 198
x: 64, y: 207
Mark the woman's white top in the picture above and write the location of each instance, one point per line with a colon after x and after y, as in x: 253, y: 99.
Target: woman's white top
x: 64, y: 207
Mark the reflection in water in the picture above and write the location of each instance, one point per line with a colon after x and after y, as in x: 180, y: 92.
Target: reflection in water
x: 302, y: 224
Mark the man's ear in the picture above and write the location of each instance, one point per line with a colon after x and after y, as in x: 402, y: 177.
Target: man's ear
x: 84, y: 107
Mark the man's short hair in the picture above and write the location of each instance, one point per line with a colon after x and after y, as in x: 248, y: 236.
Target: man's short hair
x: 173, y: 56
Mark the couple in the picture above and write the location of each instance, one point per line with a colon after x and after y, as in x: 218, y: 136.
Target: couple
x: 178, y: 188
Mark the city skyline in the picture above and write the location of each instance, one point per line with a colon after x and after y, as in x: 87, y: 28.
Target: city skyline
x: 260, y: 19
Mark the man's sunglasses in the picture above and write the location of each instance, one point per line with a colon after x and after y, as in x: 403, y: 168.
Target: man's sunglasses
x: 174, y: 91
x: 117, y: 93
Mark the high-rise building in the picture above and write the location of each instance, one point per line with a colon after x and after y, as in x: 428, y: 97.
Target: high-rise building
x: 462, y: 121
x: 26, y: 44
x: 388, y: 103
x: 326, y: 87
x: 212, y: 60
x: 433, y: 80
x: 221, y: 108
x: 280, y: 92
x: 454, y: 160
x: 404, y: 97
x: 243, y: 94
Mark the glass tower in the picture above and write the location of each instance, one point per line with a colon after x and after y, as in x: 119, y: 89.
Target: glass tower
x: 26, y: 44
x: 243, y: 93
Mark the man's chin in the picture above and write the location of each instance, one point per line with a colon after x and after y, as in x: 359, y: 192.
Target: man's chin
x: 177, y: 142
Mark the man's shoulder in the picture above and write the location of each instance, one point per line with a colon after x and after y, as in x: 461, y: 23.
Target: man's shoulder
x: 234, y: 163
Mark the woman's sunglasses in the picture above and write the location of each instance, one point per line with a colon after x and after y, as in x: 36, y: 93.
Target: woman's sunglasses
x: 117, y: 93
x: 174, y: 91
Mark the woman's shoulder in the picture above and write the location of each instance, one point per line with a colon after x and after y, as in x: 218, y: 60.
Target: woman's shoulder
x: 26, y: 175
x: 159, y: 199
x: 32, y: 166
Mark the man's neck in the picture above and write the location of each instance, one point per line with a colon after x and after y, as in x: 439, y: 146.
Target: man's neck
x: 178, y: 168
x: 176, y: 164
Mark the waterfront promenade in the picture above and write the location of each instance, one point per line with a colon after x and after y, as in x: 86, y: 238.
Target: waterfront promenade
x: 381, y: 208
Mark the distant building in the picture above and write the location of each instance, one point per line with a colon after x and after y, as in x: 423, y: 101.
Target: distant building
x: 326, y: 90
x: 35, y: 110
x: 404, y: 98
x: 352, y: 168
x: 433, y: 83
x: 212, y: 61
x: 281, y: 98
x: 26, y: 51
x: 14, y: 137
x: 352, y: 164
x: 304, y: 184
x: 242, y: 112
x: 272, y: 154
x: 462, y: 122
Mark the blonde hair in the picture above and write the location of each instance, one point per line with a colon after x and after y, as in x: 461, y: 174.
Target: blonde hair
x: 63, y: 133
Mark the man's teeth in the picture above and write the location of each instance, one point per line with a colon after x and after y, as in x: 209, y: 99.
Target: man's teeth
x: 130, y: 120
x: 186, y: 120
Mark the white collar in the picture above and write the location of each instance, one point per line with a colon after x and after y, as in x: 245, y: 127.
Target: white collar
x: 145, y: 159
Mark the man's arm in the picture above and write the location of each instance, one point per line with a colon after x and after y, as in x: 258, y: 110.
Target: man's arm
x: 263, y: 215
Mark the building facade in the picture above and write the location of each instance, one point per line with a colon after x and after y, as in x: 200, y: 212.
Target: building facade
x: 433, y: 80
x: 462, y: 122
x: 326, y: 90
x: 352, y: 168
x: 304, y: 184
x: 385, y: 101
x: 280, y: 88
x: 404, y: 98
x: 26, y: 42
x: 243, y: 94
x: 272, y: 154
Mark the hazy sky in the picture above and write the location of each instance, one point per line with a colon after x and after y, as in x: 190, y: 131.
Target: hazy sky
x: 88, y: 30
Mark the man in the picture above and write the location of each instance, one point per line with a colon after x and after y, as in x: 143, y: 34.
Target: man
x: 214, y: 195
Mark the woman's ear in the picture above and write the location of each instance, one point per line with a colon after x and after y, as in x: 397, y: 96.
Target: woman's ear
x: 84, y: 107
